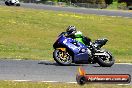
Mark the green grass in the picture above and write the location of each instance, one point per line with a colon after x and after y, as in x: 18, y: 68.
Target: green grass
x: 113, y: 6
x: 10, y: 84
x: 30, y: 34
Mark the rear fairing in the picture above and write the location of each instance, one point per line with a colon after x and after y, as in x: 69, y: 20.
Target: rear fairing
x: 100, y: 42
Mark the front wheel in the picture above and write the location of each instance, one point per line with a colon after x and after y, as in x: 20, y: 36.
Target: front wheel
x: 107, y: 60
x: 62, y: 57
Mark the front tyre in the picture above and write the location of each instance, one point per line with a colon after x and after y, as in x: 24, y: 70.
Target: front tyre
x: 62, y: 57
x: 106, y: 61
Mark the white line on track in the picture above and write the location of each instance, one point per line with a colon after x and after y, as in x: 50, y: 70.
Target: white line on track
x: 123, y: 84
x: 40, y: 81
x: 52, y: 82
x: 124, y: 63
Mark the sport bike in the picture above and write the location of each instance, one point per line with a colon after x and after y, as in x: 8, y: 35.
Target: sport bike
x: 12, y: 2
x: 68, y: 50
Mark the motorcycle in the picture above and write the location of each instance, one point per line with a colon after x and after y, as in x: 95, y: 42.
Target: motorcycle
x: 68, y: 51
x: 12, y: 3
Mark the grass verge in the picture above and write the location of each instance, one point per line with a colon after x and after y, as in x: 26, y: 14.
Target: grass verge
x: 30, y: 34
x: 10, y: 84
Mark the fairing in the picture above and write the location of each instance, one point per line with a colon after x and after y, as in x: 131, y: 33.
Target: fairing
x: 79, y: 50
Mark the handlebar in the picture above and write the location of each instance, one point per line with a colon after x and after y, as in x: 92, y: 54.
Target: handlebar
x: 63, y: 33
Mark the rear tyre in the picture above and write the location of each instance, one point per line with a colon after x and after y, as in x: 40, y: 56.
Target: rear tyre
x: 106, y: 61
x: 62, y: 57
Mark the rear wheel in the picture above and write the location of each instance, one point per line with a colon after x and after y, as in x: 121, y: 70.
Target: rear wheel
x: 106, y: 61
x: 62, y: 57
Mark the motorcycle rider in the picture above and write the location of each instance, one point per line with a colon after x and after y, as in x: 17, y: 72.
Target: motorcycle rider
x: 77, y: 35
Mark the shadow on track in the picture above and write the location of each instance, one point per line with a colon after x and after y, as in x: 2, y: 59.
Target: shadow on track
x: 55, y: 64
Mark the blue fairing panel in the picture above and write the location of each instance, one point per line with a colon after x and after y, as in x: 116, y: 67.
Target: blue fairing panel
x: 81, y: 57
x: 69, y: 45
x: 76, y: 49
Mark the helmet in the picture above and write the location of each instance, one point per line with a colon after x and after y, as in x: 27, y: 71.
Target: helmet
x: 71, y: 30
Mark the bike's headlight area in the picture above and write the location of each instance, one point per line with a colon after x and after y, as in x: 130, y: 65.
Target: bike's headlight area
x: 57, y: 40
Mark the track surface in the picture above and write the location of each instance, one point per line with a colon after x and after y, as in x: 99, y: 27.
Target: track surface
x: 76, y: 10
x: 50, y: 71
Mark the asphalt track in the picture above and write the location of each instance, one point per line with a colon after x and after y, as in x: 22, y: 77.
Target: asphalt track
x: 77, y: 10
x: 46, y: 71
